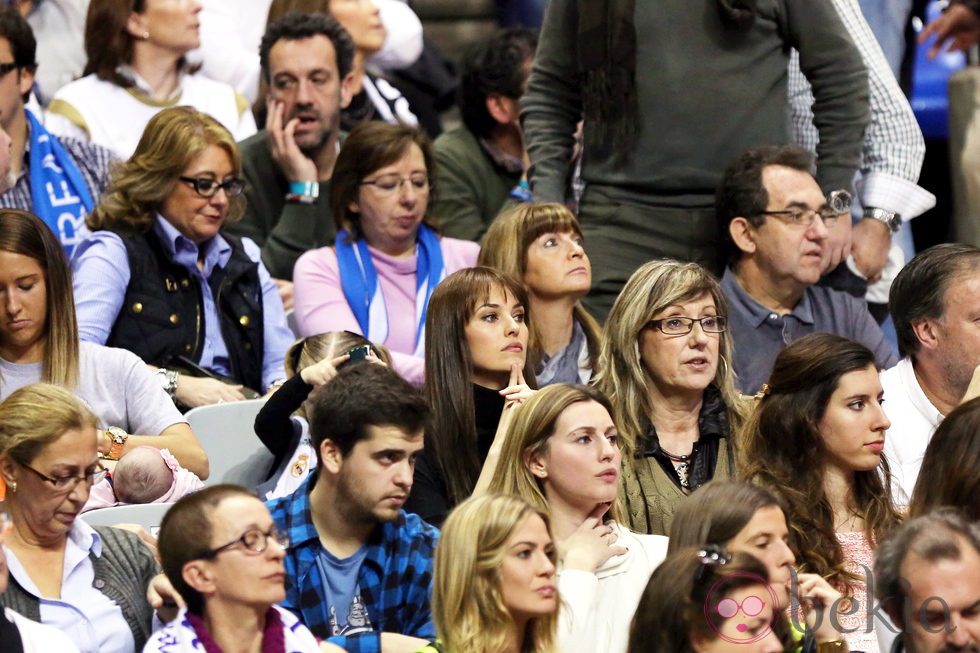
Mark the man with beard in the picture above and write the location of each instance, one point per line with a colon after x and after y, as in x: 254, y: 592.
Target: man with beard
x: 306, y: 62
x: 935, y: 304
x: 358, y: 567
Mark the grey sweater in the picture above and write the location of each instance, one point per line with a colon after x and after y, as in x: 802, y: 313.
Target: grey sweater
x: 122, y: 573
x: 706, y: 94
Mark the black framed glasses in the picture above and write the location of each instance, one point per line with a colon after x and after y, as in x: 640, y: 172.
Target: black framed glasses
x: 253, y: 540
x: 207, y: 187
x: 389, y: 184
x: 7, y: 67
x: 838, y: 204
x: 68, y: 483
x: 679, y: 326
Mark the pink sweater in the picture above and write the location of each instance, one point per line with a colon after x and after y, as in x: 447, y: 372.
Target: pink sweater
x: 320, y: 304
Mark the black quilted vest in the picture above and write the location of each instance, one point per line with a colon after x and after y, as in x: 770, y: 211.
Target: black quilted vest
x: 162, y: 317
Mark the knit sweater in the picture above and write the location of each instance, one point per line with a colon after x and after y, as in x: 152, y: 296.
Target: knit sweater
x: 282, y: 230
x: 122, y: 573
x: 706, y: 94
x: 472, y: 188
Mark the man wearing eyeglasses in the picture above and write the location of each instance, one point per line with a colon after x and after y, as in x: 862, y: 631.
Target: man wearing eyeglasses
x: 358, y: 567
x: 58, y: 179
x: 306, y: 63
x: 775, y: 220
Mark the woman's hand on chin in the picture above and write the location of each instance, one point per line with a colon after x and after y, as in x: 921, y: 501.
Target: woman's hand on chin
x: 198, y: 391
x: 517, y: 391
x: 591, y: 544
x: 819, y: 596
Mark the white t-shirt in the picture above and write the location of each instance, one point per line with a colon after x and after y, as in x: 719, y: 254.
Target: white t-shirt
x: 115, y: 383
x: 914, y: 419
x: 92, y: 109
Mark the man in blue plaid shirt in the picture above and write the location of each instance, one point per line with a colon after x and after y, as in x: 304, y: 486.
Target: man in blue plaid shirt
x: 358, y: 568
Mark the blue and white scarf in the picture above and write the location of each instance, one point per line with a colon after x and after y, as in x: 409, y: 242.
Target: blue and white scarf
x: 363, y: 292
x: 60, y: 195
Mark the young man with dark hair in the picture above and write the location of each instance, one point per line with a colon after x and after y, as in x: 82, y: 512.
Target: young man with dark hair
x: 58, y: 179
x: 481, y: 163
x: 306, y: 62
x: 359, y: 569
x: 775, y: 217
x: 927, y: 578
x: 935, y: 304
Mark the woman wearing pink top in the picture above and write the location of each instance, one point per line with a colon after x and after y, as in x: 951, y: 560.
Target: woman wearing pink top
x: 377, y: 278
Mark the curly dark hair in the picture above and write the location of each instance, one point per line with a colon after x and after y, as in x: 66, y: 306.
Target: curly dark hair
x: 783, y: 450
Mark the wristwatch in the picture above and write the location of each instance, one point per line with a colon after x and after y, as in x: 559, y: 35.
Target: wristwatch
x: 168, y: 379
x: 118, y: 438
x: 890, y: 219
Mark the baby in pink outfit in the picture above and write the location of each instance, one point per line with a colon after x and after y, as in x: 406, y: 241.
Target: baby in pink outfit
x: 144, y: 475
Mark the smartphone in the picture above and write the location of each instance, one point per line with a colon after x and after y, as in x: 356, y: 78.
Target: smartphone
x: 359, y: 353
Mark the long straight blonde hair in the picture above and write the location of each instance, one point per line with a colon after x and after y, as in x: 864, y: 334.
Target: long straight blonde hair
x: 26, y: 234
x: 467, y: 598
x: 622, y: 376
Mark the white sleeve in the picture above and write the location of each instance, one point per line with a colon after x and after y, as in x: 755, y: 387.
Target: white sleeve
x: 403, y: 46
x: 576, y: 616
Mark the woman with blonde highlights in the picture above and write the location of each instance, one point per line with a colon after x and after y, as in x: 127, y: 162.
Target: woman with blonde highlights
x: 89, y: 582
x: 542, y: 245
x: 562, y: 456
x: 157, y: 278
x: 666, y: 367
x: 816, y: 439
x: 494, y: 588
x: 477, y: 374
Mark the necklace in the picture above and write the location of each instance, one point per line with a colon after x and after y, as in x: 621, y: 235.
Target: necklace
x: 681, y: 466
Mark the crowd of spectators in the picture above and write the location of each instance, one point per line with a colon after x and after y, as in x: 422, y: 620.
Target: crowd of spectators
x: 637, y: 356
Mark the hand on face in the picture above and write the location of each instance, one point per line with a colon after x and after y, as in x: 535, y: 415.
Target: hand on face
x: 591, y: 544
x: 296, y: 166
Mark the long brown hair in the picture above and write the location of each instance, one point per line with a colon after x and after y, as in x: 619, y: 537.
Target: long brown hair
x: 26, y: 234
x: 950, y: 472
x: 530, y: 433
x: 716, y: 512
x: 449, y: 373
x: 783, y: 449
x: 505, y: 246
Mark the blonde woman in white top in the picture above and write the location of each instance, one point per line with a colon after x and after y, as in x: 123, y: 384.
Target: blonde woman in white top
x: 562, y: 455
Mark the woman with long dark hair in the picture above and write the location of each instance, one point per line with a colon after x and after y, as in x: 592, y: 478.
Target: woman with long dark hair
x: 816, y: 439
x: 477, y: 373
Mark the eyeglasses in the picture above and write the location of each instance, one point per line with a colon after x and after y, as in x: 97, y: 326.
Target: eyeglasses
x: 206, y: 187
x: 390, y: 184
x: 253, y: 540
x: 7, y: 67
x: 838, y: 203
x: 68, y: 483
x: 679, y: 326
x: 804, y: 217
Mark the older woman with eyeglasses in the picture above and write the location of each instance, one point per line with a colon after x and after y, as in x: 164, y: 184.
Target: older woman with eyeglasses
x: 387, y: 259
x: 159, y: 279
x: 666, y: 368
x: 90, y: 583
x: 222, y: 553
